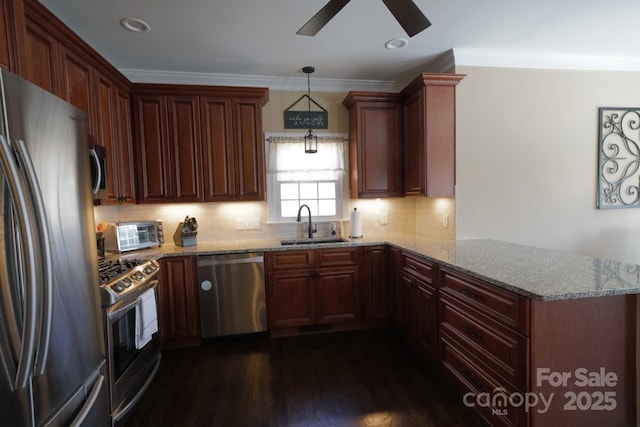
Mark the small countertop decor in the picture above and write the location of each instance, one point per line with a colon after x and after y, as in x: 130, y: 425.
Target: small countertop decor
x: 619, y: 158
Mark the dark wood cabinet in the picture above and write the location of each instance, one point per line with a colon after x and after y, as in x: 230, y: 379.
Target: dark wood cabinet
x: 41, y: 57
x: 233, y: 148
x: 178, y: 307
x: 429, y: 135
x: 199, y: 143
x: 375, y: 144
x: 417, y: 305
x: 12, y: 35
x: 77, y: 84
x: 123, y: 157
x: 114, y: 133
x: 376, y: 284
x: 313, y: 287
x: 168, y: 148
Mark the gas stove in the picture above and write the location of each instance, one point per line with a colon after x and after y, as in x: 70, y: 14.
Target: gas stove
x: 125, y: 279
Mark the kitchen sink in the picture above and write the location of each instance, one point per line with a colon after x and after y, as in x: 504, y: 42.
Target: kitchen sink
x: 313, y: 241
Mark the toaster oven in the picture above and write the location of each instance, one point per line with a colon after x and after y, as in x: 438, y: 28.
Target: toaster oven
x: 129, y: 236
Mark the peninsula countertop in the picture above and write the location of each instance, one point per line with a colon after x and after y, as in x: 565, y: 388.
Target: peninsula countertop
x: 536, y: 273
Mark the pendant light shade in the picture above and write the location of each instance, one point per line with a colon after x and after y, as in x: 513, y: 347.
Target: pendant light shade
x: 310, y: 139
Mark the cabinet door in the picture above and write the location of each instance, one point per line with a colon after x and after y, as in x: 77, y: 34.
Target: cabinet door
x: 11, y: 34
x: 291, y: 298
x: 77, y: 85
x: 414, y: 138
x: 106, y: 131
x: 379, y: 149
x: 41, y: 58
x: 404, y: 306
x: 376, y: 284
x: 249, y: 149
x: 337, y: 295
x: 184, y: 147
x: 426, y: 319
x: 178, y: 309
x: 123, y: 155
x: 217, y: 149
x: 153, y: 159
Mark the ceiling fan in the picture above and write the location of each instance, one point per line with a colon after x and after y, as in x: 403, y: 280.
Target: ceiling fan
x: 405, y: 11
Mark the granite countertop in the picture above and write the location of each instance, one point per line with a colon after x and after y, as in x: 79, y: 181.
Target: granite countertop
x: 529, y: 271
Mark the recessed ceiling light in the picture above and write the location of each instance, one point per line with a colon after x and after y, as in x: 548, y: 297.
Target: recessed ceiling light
x: 396, y: 44
x: 134, y: 25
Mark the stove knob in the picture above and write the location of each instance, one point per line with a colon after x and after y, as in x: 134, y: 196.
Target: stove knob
x: 118, y: 287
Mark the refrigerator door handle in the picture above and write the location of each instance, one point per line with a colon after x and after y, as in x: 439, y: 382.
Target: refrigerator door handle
x: 25, y: 358
x: 88, y: 405
x: 46, y: 266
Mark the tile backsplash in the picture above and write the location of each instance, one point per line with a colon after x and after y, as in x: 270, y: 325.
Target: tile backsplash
x: 434, y: 217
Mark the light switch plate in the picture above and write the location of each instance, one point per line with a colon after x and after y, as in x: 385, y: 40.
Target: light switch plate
x: 252, y: 223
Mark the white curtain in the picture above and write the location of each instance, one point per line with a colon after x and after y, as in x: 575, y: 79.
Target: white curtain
x: 287, y: 160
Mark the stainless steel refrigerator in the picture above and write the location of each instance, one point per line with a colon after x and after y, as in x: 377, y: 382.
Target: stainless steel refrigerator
x: 52, y: 354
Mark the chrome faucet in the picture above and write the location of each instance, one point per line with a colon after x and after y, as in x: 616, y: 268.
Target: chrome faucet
x: 311, y: 228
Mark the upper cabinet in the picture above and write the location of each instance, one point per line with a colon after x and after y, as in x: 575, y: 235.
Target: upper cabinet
x: 429, y: 135
x: 375, y: 144
x: 197, y: 143
x: 404, y: 144
x: 11, y: 34
x: 114, y: 133
x: 57, y: 60
x: 233, y: 148
x: 168, y: 148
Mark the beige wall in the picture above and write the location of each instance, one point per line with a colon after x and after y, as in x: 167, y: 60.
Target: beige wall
x: 217, y: 221
x: 527, y: 159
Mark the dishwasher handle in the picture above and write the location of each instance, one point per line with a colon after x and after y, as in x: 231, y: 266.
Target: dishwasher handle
x: 208, y: 261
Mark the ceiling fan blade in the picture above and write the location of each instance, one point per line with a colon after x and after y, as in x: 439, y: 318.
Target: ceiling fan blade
x: 408, y: 16
x: 321, y: 18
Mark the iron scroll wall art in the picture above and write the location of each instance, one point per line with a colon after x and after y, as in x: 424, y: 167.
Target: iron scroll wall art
x: 619, y: 158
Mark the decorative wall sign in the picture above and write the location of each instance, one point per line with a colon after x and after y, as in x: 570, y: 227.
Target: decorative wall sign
x: 619, y: 158
x: 306, y: 119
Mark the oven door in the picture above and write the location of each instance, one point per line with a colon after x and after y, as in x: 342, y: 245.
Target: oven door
x: 130, y: 368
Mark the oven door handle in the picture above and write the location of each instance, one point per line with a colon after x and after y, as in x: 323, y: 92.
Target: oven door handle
x: 111, y: 315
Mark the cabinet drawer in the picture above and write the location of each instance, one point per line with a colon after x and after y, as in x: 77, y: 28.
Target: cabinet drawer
x: 501, y: 349
x: 285, y: 260
x: 471, y: 381
x: 499, y: 304
x: 337, y: 257
x: 421, y: 267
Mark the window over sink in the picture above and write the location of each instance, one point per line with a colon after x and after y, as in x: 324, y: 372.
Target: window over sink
x: 318, y: 180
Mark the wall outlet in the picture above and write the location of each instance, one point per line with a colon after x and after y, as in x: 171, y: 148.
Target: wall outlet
x: 252, y: 223
x: 384, y: 219
x: 445, y: 221
x: 240, y: 224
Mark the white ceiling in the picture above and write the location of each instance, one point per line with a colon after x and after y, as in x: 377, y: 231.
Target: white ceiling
x: 255, y: 40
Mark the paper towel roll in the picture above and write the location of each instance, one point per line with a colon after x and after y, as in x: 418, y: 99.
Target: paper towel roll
x: 356, y: 224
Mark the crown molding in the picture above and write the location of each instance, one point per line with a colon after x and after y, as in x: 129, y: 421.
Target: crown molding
x: 514, y: 59
x: 293, y: 84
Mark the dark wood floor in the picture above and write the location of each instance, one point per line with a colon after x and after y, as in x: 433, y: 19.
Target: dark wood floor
x: 357, y: 378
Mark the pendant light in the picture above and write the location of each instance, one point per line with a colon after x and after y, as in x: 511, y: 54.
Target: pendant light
x: 310, y: 139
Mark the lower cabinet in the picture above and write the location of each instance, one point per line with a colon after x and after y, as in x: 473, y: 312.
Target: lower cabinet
x: 178, y: 306
x: 417, y: 305
x: 376, y: 286
x: 307, y: 288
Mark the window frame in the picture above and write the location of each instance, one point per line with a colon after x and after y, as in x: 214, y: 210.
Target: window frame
x: 273, y: 199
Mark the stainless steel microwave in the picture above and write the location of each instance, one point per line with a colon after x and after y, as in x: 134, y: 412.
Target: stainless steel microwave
x: 98, y: 159
x: 131, y: 236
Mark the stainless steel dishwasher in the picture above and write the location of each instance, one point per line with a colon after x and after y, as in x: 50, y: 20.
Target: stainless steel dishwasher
x: 232, y: 294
